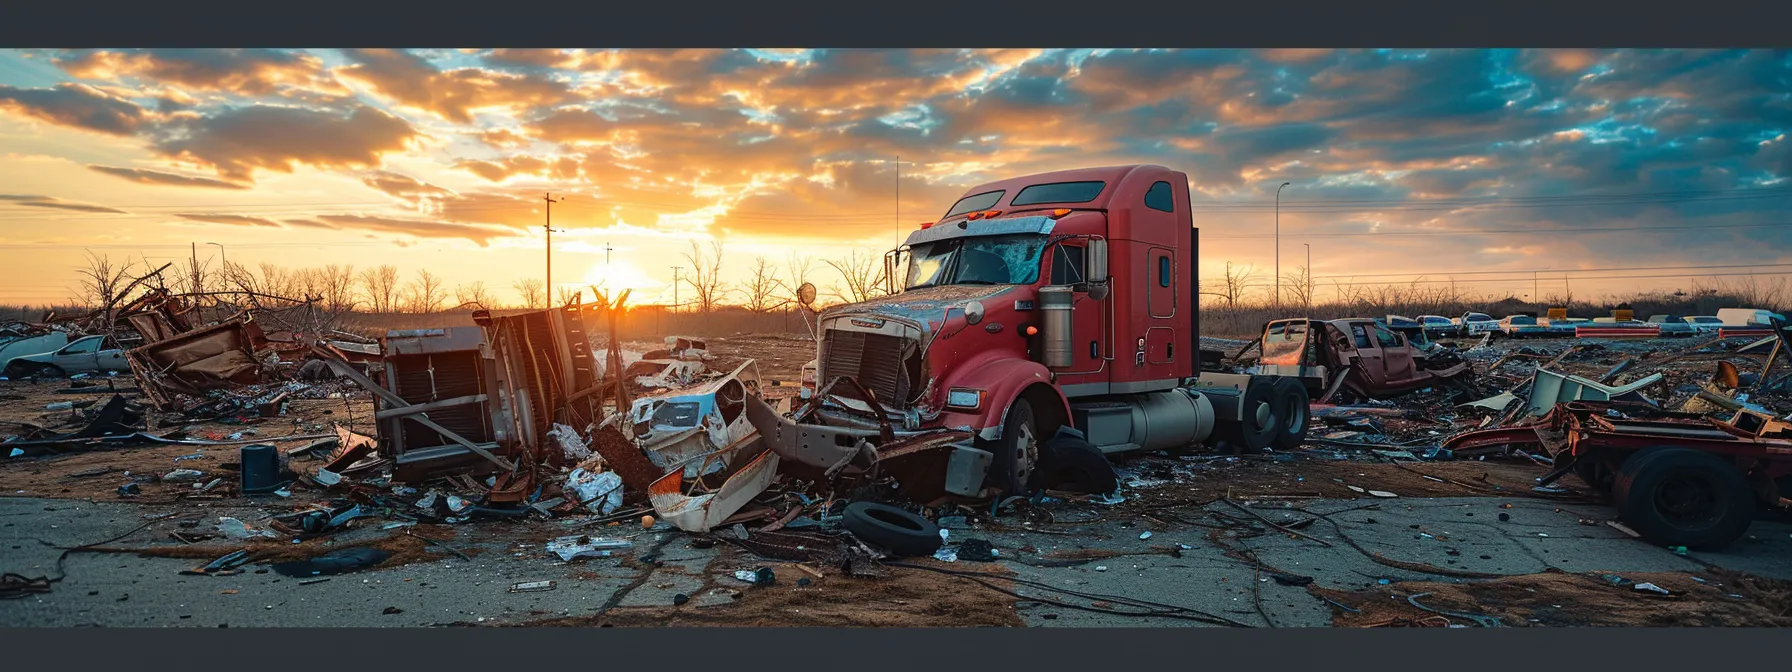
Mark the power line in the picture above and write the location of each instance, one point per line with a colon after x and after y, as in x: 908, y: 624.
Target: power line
x: 1472, y: 232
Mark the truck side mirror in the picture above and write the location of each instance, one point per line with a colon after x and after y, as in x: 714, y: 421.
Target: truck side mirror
x: 1096, y: 263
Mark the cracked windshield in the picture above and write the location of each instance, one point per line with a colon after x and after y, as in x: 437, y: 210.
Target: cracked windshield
x: 992, y: 260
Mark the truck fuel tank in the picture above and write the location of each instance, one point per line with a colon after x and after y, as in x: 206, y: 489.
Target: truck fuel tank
x: 1156, y: 421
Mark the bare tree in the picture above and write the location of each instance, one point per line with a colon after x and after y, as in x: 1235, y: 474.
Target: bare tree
x: 566, y: 295
x: 1299, y: 284
x: 1236, y: 283
x: 381, y: 285
x: 863, y: 275
x: 705, y: 276
x: 762, y: 287
x: 336, y: 286
x: 474, y: 293
x: 425, y: 292
x: 530, y: 291
x: 195, y: 276
x: 102, y: 280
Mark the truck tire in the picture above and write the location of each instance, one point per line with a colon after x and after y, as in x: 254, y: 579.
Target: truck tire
x: 1684, y: 497
x: 895, y: 530
x: 1601, y: 478
x: 1257, y: 429
x: 1074, y: 464
x: 1293, y: 413
x: 1017, y: 451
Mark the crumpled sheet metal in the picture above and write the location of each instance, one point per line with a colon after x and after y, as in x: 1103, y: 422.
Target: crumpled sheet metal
x: 679, y: 427
x: 216, y: 357
x: 827, y: 448
x: 1550, y: 388
x: 703, y: 512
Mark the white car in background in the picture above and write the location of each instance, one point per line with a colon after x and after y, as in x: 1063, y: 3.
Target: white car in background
x: 88, y: 354
x: 1474, y: 325
x: 1705, y: 324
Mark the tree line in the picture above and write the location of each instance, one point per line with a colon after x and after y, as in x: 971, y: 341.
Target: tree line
x: 342, y: 288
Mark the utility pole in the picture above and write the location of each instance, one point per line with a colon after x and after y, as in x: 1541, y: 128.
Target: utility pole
x: 1279, y: 245
x: 196, y: 288
x: 547, y: 226
x: 607, y: 250
x: 899, y: 201
x: 675, y: 270
x: 1536, y: 294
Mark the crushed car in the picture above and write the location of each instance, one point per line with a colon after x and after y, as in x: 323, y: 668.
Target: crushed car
x: 1355, y: 355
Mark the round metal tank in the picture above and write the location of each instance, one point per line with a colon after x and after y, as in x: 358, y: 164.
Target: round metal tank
x: 1055, y: 304
x: 1171, y: 419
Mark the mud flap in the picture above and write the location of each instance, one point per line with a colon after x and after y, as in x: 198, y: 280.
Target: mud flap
x: 966, y: 470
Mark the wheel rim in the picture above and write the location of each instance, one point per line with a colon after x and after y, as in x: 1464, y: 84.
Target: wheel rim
x: 1689, y: 501
x: 1265, y: 415
x: 1026, y: 453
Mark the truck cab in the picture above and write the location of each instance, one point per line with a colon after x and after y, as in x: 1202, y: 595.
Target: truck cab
x: 1005, y: 323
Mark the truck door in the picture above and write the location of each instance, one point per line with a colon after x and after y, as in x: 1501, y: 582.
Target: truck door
x: 1160, y: 306
x: 1396, y: 356
x: 1089, y: 318
x: 80, y: 356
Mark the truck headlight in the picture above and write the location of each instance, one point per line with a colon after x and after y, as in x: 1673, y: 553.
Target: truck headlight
x: 963, y: 398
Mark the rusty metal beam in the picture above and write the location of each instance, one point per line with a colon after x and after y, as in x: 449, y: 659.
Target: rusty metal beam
x: 431, y: 406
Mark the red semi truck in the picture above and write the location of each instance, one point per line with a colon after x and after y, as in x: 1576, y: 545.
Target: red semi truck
x: 1038, y: 303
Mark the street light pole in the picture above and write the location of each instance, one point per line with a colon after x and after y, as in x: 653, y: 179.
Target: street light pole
x: 221, y: 259
x: 675, y: 270
x: 547, y: 226
x: 1279, y: 245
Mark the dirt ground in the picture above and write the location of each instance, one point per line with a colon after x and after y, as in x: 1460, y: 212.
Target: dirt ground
x: 910, y: 598
x: 1558, y: 599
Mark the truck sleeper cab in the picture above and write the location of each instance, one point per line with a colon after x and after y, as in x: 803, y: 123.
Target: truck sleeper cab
x: 1007, y: 325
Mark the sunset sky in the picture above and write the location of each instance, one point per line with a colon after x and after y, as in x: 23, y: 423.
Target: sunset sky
x: 1404, y: 164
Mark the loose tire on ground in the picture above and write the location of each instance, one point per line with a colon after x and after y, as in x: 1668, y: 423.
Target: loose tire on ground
x: 1684, y: 497
x: 1293, y: 413
x: 1251, y: 434
x: 1074, y: 464
x: 895, y: 530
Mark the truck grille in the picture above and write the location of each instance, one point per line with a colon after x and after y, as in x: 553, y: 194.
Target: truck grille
x: 876, y: 360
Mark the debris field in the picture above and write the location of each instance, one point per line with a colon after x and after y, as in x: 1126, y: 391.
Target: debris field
x: 246, y: 467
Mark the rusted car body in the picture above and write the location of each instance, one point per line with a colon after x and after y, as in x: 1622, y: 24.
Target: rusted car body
x: 1373, y: 361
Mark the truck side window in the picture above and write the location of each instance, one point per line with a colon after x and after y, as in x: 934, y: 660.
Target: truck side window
x: 1067, y: 265
x: 1163, y: 271
x: 1161, y: 197
x: 1359, y: 336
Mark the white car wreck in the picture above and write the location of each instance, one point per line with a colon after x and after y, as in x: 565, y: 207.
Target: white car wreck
x: 700, y: 436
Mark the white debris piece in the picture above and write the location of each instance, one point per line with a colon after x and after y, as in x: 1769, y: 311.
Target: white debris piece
x: 236, y: 529
x: 575, y: 448
x: 580, y: 546
x: 598, y: 492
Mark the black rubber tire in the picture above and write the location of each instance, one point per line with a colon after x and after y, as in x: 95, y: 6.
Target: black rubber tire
x: 1247, y: 434
x: 1293, y: 413
x: 1074, y: 464
x: 1716, y: 486
x: 895, y: 530
x: 1016, y: 465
